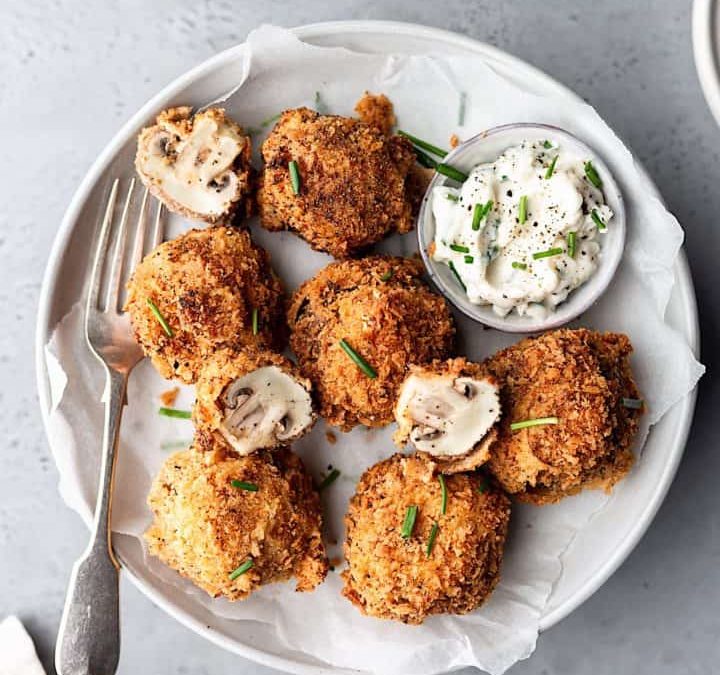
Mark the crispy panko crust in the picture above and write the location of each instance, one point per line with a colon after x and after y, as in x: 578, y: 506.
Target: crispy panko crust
x: 457, y: 367
x: 394, y: 578
x: 353, y: 190
x: 391, y: 324
x: 179, y: 123
x: 580, y: 377
x: 377, y: 111
x: 206, y: 284
x: 222, y: 369
x: 205, y: 528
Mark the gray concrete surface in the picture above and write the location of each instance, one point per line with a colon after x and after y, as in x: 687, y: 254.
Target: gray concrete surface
x: 72, y: 71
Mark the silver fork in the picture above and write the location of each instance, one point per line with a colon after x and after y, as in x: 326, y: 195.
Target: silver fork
x: 89, y: 637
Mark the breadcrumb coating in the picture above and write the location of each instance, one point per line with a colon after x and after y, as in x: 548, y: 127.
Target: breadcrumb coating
x: 392, y: 577
x: 580, y: 377
x: 206, y: 284
x: 377, y: 111
x: 387, y: 314
x: 205, y: 528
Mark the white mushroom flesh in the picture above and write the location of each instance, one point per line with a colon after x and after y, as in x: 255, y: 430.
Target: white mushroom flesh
x: 446, y: 416
x: 195, y: 170
x: 264, y: 409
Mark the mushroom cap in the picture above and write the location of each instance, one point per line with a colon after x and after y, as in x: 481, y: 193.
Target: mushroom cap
x: 197, y: 165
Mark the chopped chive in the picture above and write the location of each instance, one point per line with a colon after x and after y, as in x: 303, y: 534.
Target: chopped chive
x: 328, y: 480
x: 451, y: 172
x: 431, y: 539
x: 479, y: 212
x: 174, y: 445
x: 633, y: 403
x: 424, y: 159
x: 451, y: 197
x: 547, y: 254
x: 459, y: 248
x: 424, y: 145
x: 571, y: 243
x: 268, y: 121
x: 409, y: 523
x: 547, y: 144
x: 241, y: 570
x: 468, y: 259
x: 358, y: 360
x: 242, y: 485
x: 174, y: 412
x: 519, y: 266
x: 161, y: 319
x: 483, y: 485
x: 294, y: 176
x: 319, y: 104
x: 386, y: 276
x: 444, y: 494
x: 592, y: 174
x: 255, y: 321
x: 539, y: 421
x: 461, y: 109
x: 522, y: 209
x: 457, y: 276
x: 551, y: 169
x: 597, y: 220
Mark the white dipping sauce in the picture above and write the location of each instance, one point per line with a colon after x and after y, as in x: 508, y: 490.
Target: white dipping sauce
x: 521, y: 261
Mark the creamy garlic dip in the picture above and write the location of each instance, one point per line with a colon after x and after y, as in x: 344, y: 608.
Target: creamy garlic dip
x: 523, y: 231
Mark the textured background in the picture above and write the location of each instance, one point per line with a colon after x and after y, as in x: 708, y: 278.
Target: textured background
x: 72, y: 71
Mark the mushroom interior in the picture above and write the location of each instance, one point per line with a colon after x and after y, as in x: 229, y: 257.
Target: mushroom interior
x: 195, y: 168
x: 264, y: 409
x: 444, y: 415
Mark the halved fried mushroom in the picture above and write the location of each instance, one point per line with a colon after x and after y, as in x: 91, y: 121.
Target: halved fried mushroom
x: 197, y: 165
x: 253, y: 400
x: 449, y: 410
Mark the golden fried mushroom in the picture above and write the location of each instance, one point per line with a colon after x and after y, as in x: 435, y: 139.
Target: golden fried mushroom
x: 448, y: 409
x: 583, y: 379
x: 231, y: 524
x: 197, y: 165
x: 357, y: 326
x: 206, y: 290
x: 253, y: 400
x: 351, y: 181
x: 397, y: 568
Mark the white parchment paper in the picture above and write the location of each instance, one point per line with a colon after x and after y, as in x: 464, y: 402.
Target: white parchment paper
x: 281, y: 72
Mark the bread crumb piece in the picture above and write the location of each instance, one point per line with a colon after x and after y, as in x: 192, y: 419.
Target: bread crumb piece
x: 331, y: 437
x: 336, y: 561
x: 377, y: 111
x: 168, y: 398
x: 454, y: 141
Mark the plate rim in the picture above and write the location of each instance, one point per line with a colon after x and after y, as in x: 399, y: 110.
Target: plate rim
x: 705, y: 52
x: 683, y: 281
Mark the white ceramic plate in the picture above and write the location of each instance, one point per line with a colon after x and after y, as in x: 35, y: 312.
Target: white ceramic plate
x: 706, y: 45
x: 602, y: 545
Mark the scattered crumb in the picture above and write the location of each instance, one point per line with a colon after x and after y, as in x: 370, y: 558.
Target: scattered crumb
x: 336, y: 561
x: 454, y: 141
x: 168, y: 398
x: 331, y: 437
x: 377, y: 111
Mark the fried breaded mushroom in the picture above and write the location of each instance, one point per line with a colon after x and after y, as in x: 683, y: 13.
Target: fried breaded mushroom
x: 419, y: 544
x: 206, y: 290
x: 357, y: 326
x: 253, y: 400
x: 197, y: 165
x: 567, y: 423
x: 231, y: 524
x: 338, y: 182
x: 448, y: 409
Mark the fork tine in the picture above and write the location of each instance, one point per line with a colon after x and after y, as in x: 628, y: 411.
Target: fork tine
x: 113, y: 291
x: 101, y: 250
x: 140, y: 232
x: 158, y: 229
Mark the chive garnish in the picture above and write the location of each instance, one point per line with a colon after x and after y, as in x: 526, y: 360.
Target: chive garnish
x: 329, y: 479
x: 358, y: 360
x: 551, y: 169
x: 255, y: 321
x: 459, y: 248
x: 267, y: 122
x: 539, y: 421
x: 547, y: 144
x: 519, y: 266
x: 451, y: 172
x: 424, y: 159
x: 241, y: 570
x: 444, y: 494
x: 479, y: 212
x: 452, y: 198
x: 461, y: 109
x: 242, y: 485
x: 409, y: 523
x: 468, y: 259
x: 597, y: 220
x: 592, y: 174
x: 522, y: 209
x: 294, y: 176
x: 547, y: 254
x: 386, y: 276
x: 174, y: 412
x: 161, y: 319
x: 457, y: 276
x: 571, y: 243
x: 633, y: 403
x: 423, y: 144
x: 431, y: 539
x: 174, y: 445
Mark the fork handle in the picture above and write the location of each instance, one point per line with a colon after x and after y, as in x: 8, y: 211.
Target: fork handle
x: 89, y: 638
